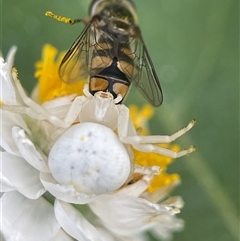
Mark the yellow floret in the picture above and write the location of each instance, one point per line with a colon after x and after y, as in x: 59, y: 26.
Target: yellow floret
x: 50, y: 84
x: 140, y: 117
x: 154, y: 159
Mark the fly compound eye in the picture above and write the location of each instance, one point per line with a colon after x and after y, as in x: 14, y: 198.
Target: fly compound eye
x: 81, y: 158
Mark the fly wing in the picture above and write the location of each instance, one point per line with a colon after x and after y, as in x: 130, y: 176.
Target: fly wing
x: 88, y: 55
x: 100, y: 48
x: 74, y: 65
x: 140, y: 69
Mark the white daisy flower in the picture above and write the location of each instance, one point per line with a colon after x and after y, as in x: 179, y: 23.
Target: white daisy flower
x: 55, y: 162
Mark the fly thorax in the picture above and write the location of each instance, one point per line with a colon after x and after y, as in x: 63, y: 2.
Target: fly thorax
x: 119, y: 28
x: 121, y: 9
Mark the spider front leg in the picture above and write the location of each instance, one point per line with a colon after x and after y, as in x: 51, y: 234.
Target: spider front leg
x: 74, y: 110
x: 37, y: 111
x: 128, y: 134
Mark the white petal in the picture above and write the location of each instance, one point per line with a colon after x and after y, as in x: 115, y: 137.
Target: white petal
x: 137, y: 188
x: 35, y: 93
x: 21, y: 175
x: 161, y: 194
x: 74, y: 223
x: 133, y: 214
x: 27, y: 220
x: 105, y: 235
x: 12, y: 70
x: 62, y: 236
x: 7, y: 90
x: 175, y: 202
x: 58, y: 102
x: 65, y: 193
x: 6, y: 184
x: 8, y: 120
x: 28, y: 151
x: 11, y: 55
x: 2, y: 238
x: 168, y: 225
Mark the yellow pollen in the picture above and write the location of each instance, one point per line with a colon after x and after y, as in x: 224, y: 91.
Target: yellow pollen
x: 89, y: 173
x: 50, y: 85
x: 82, y: 138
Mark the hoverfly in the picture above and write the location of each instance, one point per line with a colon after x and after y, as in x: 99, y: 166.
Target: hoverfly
x: 111, y: 52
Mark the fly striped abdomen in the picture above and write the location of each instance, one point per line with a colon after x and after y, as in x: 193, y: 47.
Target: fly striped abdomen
x: 110, y: 79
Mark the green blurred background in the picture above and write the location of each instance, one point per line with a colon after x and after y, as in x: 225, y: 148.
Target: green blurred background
x: 194, y: 45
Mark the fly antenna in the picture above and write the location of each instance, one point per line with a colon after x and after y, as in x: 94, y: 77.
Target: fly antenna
x: 62, y: 18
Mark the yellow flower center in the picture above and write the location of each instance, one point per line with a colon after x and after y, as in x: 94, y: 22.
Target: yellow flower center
x: 50, y: 85
x: 154, y: 159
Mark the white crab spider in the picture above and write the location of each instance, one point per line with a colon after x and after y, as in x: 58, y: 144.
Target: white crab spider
x: 88, y: 158
x: 103, y: 109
